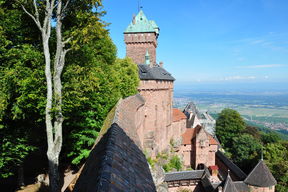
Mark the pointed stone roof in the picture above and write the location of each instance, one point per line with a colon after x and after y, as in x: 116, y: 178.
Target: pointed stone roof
x: 229, y: 186
x: 260, y: 176
x: 140, y: 24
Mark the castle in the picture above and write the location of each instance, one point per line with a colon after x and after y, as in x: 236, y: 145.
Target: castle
x: 147, y: 122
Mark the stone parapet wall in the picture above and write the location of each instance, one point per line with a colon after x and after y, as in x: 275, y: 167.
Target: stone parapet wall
x: 155, y: 85
x: 129, y: 115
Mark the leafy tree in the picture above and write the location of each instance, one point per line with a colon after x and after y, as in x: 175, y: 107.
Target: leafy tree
x: 270, y: 137
x: 20, y: 87
x: 254, y: 131
x: 275, y: 155
x: 93, y: 81
x: 229, y: 124
x: 245, y: 152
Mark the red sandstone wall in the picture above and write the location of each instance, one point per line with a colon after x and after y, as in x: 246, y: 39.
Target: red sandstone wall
x: 185, y: 151
x: 158, y: 114
x: 129, y: 116
x: 136, y: 45
x: 204, y: 153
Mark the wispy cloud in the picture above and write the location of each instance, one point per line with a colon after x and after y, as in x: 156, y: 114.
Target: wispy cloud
x: 237, y: 77
x: 262, y: 66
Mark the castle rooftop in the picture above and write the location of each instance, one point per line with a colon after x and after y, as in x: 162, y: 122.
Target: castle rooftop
x: 140, y: 24
x: 154, y: 73
x: 260, y: 176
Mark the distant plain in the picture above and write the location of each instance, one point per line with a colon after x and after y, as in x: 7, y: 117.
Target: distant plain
x: 261, y: 105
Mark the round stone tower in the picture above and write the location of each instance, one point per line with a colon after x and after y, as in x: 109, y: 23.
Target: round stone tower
x: 141, y: 35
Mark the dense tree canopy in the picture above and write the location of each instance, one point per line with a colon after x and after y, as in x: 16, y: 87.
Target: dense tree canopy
x: 93, y: 81
x: 229, y: 125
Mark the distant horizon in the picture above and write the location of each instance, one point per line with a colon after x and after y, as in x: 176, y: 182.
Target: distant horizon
x: 233, y: 87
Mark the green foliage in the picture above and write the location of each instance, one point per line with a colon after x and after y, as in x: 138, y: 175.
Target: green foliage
x: 270, y: 137
x: 93, y: 81
x: 97, y: 80
x: 151, y: 161
x: 13, y: 152
x: 275, y: 155
x: 245, y: 148
x: 245, y: 151
x: 21, y: 91
x: 174, y: 163
x: 229, y: 124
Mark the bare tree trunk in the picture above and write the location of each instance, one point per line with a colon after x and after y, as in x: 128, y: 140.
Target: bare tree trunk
x: 20, y: 177
x: 54, y: 86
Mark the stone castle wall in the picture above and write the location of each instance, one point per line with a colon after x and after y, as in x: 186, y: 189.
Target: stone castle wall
x: 185, y: 151
x: 138, y: 43
x: 204, y: 152
x: 157, y: 114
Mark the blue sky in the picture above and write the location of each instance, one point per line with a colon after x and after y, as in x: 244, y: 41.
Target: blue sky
x: 213, y: 41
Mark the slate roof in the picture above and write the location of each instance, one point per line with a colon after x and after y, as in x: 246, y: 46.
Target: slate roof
x: 178, y: 115
x: 115, y: 166
x: 154, y: 73
x: 191, y: 107
x: 241, y: 186
x: 231, y: 166
x: 207, y: 185
x: 229, y: 186
x: 183, y: 175
x: 260, y: 176
x: 140, y: 24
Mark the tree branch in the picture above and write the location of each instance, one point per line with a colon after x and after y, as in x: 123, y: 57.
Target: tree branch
x: 36, y: 20
x: 65, y: 6
x: 36, y: 10
x: 66, y: 41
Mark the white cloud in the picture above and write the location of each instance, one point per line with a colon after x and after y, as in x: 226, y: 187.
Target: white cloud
x: 253, y: 42
x: 262, y: 66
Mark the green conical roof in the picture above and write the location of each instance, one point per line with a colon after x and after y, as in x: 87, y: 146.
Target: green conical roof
x: 141, y: 24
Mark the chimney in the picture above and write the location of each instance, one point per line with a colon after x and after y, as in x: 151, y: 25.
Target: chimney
x: 214, y: 170
x: 161, y: 64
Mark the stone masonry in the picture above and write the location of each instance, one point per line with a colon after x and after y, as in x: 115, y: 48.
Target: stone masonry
x: 138, y: 43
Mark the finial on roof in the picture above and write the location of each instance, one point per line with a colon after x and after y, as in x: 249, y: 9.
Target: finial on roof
x: 147, y: 57
x: 139, y: 6
x: 262, y: 153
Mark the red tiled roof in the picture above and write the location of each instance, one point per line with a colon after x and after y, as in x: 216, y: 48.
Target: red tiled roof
x: 190, y: 133
x: 178, y: 115
x: 212, y: 141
